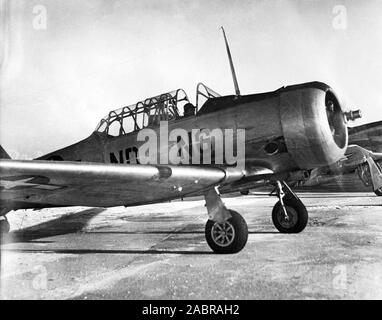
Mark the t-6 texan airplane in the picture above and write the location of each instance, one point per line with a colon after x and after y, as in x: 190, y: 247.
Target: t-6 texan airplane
x: 294, y: 128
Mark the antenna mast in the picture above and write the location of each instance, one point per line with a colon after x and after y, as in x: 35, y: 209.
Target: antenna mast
x: 237, y: 90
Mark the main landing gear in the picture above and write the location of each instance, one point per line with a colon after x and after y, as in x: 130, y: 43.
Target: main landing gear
x: 226, y: 230
x: 289, y: 215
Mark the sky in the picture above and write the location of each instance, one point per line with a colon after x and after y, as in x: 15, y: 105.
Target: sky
x: 66, y: 64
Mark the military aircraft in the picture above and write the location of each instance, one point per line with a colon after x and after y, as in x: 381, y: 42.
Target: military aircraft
x: 362, y: 160
x: 369, y: 136
x: 294, y: 128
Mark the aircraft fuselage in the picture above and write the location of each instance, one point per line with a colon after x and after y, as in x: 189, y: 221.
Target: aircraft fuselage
x: 284, y: 130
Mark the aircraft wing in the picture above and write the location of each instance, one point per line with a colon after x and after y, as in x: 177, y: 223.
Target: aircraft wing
x: 356, y: 155
x: 39, y: 184
x: 359, y: 156
x: 367, y: 162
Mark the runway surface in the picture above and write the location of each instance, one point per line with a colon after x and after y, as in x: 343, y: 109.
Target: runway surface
x: 159, y: 252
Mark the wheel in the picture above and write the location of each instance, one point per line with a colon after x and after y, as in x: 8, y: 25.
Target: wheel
x: 229, y: 236
x: 4, y: 225
x: 378, y: 192
x: 244, y: 192
x: 297, y: 213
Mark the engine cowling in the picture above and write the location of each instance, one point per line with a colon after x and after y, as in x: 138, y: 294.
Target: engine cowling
x: 314, y: 124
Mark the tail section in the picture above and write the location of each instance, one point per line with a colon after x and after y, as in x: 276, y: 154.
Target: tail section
x: 4, y: 154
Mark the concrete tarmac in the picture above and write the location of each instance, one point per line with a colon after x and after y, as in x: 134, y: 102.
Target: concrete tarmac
x: 159, y: 252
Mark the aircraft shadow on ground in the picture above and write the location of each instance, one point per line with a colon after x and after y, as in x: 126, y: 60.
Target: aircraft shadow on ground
x: 70, y: 223
x: 107, y: 251
x: 75, y: 222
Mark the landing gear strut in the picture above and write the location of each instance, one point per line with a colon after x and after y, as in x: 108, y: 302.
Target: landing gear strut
x: 226, y: 230
x: 289, y: 215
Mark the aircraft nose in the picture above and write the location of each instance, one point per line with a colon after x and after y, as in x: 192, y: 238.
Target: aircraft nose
x: 314, y: 125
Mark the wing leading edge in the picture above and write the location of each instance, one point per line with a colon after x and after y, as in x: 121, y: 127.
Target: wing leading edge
x: 38, y: 184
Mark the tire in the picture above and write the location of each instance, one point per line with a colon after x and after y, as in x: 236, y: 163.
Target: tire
x: 297, y: 213
x: 235, y: 238
x: 378, y: 192
x: 244, y: 192
x: 4, y: 226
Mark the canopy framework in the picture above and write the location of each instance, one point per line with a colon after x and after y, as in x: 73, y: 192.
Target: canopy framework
x: 149, y: 112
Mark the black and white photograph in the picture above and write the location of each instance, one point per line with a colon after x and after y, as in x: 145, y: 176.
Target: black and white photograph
x: 207, y: 152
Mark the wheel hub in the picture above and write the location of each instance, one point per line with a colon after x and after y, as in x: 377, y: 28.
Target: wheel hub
x: 223, y: 234
x: 290, y: 220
